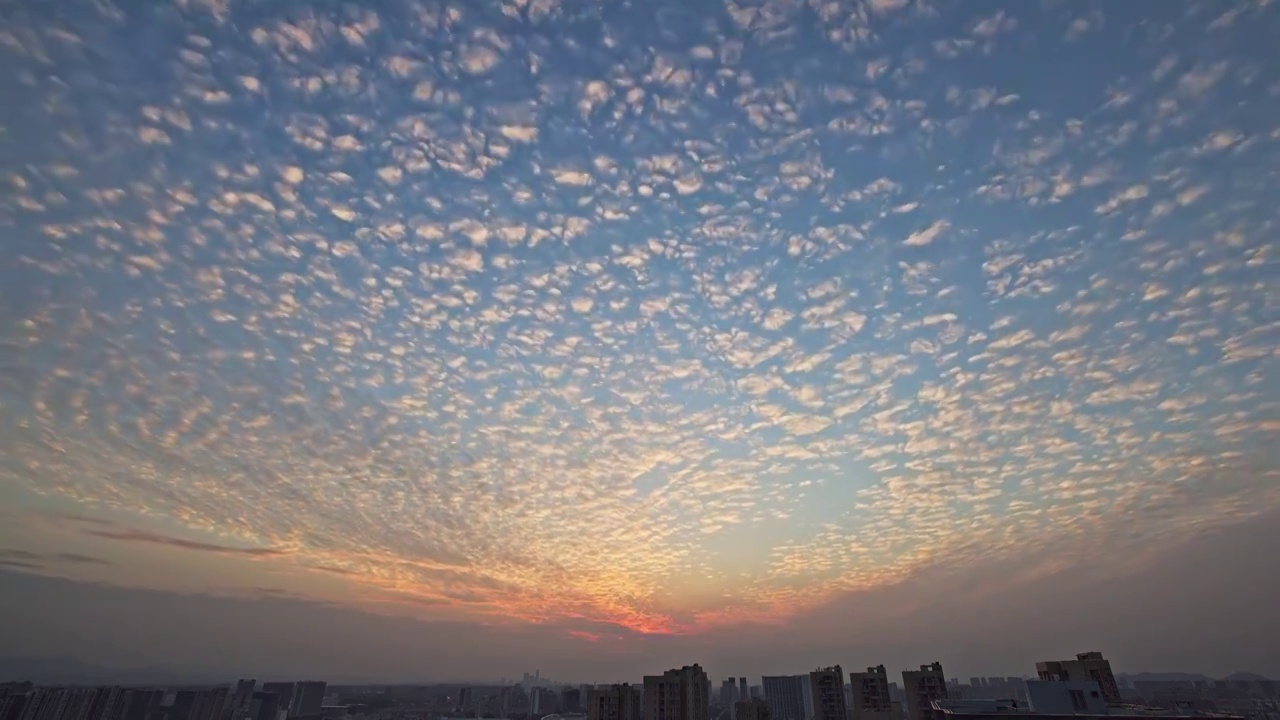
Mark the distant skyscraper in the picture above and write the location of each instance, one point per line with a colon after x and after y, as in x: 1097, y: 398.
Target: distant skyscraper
x: 827, y: 687
x: 286, y: 692
x: 615, y: 702
x: 308, y: 697
x: 571, y: 700
x: 543, y: 701
x: 922, y: 687
x: 728, y: 692
x: 513, y: 700
x: 1086, y: 666
x: 742, y: 690
x: 788, y: 696
x: 753, y: 709
x: 676, y: 694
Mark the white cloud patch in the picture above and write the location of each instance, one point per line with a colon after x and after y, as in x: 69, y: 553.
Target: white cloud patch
x: 927, y: 235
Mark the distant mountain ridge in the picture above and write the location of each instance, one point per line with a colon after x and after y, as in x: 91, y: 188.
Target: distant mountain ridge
x: 1185, y: 677
x: 1162, y: 677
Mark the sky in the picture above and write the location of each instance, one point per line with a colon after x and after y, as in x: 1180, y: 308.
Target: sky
x: 416, y: 340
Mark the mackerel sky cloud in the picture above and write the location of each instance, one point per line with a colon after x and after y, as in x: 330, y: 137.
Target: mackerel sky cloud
x: 631, y: 319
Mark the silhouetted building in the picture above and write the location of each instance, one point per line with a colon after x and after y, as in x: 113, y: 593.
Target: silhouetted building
x: 571, y: 700
x: 265, y: 705
x: 615, y: 702
x: 677, y: 694
x: 242, y: 697
x: 543, y: 701
x: 742, y: 690
x: 308, y: 696
x: 12, y: 706
x: 286, y: 692
x: 788, y: 696
x: 922, y: 687
x: 140, y: 704
x: 208, y: 704
x: 827, y: 688
x: 728, y: 692
x: 513, y: 700
x: 1086, y: 666
x: 753, y: 709
x: 871, y: 697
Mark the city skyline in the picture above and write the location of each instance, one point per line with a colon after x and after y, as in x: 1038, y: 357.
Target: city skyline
x: 1079, y: 688
x: 865, y: 691
x: 430, y: 337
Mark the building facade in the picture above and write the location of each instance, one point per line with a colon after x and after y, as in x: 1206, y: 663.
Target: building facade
x: 615, y: 702
x: 872, y: 699
x: 826, y: 685
x: 308, y: 697
x: 1086, y: 666
x: 285, y: 691
x: 922, y: 687
x: 788, y: 696
x: 728, y: 692
x: 241, y: 698
x: 677, y: 694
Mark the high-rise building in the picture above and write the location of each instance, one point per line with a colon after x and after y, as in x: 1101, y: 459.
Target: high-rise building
x: 139, y: 703
x: 543, y: 701
x: 788, y: 696
x: 513, y: 700
x: 308, y: 697
x: 265, y: 705
x: 753, y: 709
x: 286, y: 691
x: 207, y: 704
x: 571, y: 700
x: 728, y: 692
x: 72, y: 703
x: 12, y: 705
x: 871, y: 697
x: 241, y: 698
x: 622, y: 701
x: 742, y: 690
x: 827, y: 688
x: 677, y: 694
x: 922, y: 687
x: 1086, y: 666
